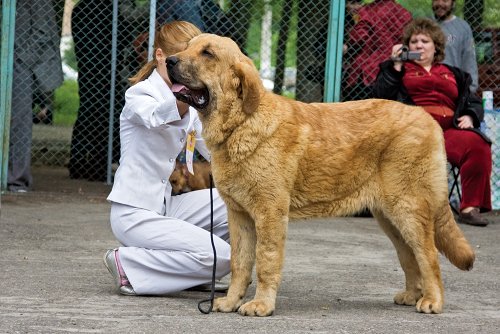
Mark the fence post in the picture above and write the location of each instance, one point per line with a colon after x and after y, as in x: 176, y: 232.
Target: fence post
x: 152, y: 28
x: 7, y: 66
x: 112, y: 92
x: 333, y: 68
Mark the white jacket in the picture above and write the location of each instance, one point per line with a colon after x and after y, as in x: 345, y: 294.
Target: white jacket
x: 152, y: 134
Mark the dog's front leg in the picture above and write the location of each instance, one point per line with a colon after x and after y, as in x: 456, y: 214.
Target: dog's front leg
x: 243, y: 238
x: 271, y: 229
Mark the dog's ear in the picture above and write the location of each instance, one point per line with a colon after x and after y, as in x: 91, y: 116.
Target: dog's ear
x: 249, y: 87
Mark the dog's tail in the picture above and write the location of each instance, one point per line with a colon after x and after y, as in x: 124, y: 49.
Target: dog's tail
x: 451, y: 242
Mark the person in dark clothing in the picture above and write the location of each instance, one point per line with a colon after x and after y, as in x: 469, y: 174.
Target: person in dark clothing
x: 443, y: 91
x: 37, y: 66
x: 92, y: 34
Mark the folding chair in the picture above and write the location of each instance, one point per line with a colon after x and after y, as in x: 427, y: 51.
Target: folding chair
x: 455, y: 189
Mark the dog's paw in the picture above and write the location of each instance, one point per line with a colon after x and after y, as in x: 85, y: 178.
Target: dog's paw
x: 257, y: 307
x: 407, y: 298
x: 427, y: 305
x: 224, y: 304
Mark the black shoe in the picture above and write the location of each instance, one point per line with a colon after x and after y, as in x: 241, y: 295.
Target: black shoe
x: 19, y: 190
x: 472, y: 218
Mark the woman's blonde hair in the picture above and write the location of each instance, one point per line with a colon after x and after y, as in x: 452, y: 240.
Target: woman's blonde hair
x: 430, y: 28
x: 170, y: 38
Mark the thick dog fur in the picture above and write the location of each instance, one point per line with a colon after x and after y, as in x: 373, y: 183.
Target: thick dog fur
x: 274, y: 159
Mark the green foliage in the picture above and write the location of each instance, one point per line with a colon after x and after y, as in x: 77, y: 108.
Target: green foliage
x: 66, y: 102
x: 491, y: 14
x: 418, y: 8
x: 253, y: 42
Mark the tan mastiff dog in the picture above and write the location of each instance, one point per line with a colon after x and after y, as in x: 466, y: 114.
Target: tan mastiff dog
x: 274, y: 159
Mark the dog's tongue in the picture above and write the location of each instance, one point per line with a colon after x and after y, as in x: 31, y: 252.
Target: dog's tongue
x: 192, y: 97
x: 177, y: 88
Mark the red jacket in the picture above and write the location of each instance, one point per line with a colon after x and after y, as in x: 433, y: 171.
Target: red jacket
x: 380, y: 26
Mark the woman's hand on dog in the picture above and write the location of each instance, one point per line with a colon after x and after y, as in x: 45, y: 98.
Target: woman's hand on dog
x: 161, y: 67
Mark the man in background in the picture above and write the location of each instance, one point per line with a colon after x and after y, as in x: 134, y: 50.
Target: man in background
x: 460, y: 51
x: 37, y: 65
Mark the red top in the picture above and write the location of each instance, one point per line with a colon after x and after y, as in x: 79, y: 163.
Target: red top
x: 438, y: 87
x: 380, y: 26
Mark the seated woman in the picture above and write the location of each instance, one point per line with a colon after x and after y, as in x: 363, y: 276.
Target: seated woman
x: 443, y: 91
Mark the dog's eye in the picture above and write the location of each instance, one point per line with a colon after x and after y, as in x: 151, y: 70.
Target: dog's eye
x: 207, y: 53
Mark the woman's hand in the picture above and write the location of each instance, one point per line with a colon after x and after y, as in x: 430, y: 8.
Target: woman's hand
x: 396, y: 54
x: 161, y: 67
x: 182, y: 107
x: 465, y: 122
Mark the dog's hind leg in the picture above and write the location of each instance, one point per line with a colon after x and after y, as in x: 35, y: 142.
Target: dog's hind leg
x: 243, y: 240
x: 432, y: 286
x: 413, y: 291
x: 412, y: 218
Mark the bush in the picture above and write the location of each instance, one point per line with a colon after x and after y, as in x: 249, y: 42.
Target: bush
x: 66, y: 102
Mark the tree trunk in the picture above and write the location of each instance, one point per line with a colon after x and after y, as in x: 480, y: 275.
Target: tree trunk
x: 279, y: 76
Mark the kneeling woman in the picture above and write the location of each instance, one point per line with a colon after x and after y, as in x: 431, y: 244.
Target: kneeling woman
x: 443, y: 91
x: 166, y: 243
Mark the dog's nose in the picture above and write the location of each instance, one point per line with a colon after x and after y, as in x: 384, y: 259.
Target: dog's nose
x: 171, y: 61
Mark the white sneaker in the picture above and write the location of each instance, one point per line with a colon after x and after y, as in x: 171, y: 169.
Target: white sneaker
x: 110, y: 263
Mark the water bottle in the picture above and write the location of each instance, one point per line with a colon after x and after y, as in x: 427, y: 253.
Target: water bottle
x: 488, y: 101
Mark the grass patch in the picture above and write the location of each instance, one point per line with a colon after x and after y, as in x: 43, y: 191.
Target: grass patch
x: 66, y: 102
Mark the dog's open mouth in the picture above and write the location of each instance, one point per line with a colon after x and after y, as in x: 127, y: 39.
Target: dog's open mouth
x: 197, y: 98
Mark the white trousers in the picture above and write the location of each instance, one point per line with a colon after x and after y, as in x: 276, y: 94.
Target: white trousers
x: 168, y: 253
